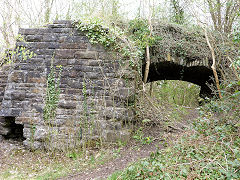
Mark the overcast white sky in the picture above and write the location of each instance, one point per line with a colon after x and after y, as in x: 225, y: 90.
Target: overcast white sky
x: 30, y: 12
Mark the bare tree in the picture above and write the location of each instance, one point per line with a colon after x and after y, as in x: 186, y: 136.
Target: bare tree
x: 223, y: 14
x: 48, y: 6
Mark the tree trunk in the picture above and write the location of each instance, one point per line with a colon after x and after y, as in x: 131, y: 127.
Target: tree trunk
x: 213, y: 65
x: 148, y: 60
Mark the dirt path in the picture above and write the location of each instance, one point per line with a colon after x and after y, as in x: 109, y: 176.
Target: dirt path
x: 127, y: 156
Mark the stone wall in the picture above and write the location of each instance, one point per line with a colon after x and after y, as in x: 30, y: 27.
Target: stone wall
x: 93, y: 95
x: 4, y: 70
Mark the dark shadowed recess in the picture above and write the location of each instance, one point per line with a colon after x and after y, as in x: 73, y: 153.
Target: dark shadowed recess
x: 10, y: 130
x: 200, y: 75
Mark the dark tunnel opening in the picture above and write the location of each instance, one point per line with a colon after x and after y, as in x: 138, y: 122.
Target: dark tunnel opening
x: 199, y: 75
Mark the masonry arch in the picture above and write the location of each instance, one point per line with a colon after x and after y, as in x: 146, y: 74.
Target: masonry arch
x: 167, y: 70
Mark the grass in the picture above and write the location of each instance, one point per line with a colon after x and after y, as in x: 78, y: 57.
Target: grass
x: 42, y: 165
x: 208, y: 149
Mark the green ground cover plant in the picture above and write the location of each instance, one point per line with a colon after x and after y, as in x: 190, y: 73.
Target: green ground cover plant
x: 209, y: 149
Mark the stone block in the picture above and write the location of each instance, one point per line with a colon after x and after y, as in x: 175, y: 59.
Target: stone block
x: 62, y: 22
x: 34, y: 38
x: 4, y: 130
x: 74, y: 84
x: 71, y: 61
x: 67, y: 105
x: 18, y: 95
x: 125, y: 135
x: 73, y: 39
x: 29, y: 31
x: 41, y: 80
x: 46, y: 52
x: 87, y: 69
x: 24, y: 120
x: 22, y: 44
x: 45, y: 45
x: 73, y: 91
x: 65, y: 53
x: 63, y: 30
x: 73, y: 74
x: 41, y: 133
x: 60, y: 25
x: 86, y: 55
x: 59, y: 121
x: 95, y: 62
x: 50, y: 38
x: 111, y: 136
x: 69, y: 45
x: 122, y: 93
x: 44, y: 31
x: 33, y: 144
x: 11, y: 112
x: 16, y: 76
x: 93, y: 75
x: 95, y: 47
x: 7, y: 103
x: 38, y: 108
x: 120, y: 114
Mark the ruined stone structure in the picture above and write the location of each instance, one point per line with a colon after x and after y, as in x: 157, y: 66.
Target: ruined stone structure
x: 93, y: 96
x: 184, y: 55
x: 93, y: 99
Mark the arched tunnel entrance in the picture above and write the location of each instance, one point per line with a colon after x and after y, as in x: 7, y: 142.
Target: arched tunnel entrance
x: 199, y: 75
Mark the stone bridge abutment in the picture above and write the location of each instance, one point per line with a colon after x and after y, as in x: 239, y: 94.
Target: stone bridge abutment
x: 92, y: 99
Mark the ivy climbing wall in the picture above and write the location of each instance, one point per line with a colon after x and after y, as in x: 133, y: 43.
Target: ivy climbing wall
x: 91, y: 103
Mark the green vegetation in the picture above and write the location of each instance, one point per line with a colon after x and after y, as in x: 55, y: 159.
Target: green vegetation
x: 52, y: 94
x: 177, y: 92
x: 140, y: 137
x: 138, y: 30
x: 112, y: 38
x: 130, y: 42
x: 207, y: 148
x: 96, y: 32
x: 40, y: 165
x: 210, y: 149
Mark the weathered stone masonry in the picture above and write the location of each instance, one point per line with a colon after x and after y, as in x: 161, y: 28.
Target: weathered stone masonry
x: 86, y: 68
